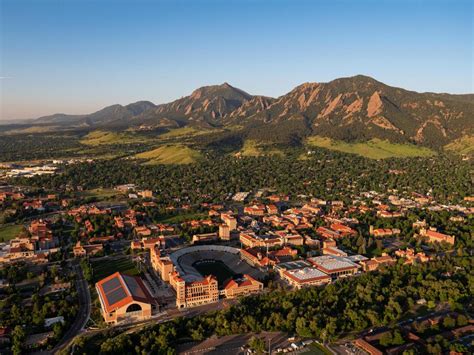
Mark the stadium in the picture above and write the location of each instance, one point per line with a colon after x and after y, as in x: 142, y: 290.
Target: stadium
x: 223, y: 262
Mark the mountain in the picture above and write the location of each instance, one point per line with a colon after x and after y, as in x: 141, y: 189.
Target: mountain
x: 360, y: 107
x: 206, y: 105
x: 114, y: 114
x: 353, y: 108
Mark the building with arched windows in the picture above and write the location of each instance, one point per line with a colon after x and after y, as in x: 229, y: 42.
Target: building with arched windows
x: 125, y: 298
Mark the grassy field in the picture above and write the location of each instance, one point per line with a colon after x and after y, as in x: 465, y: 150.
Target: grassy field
x: 9, y: 232
x: 374, y: 149
x: 170, y: 154
x: 99, y: 137
x: 316, y: 349
x: 216, y: 268
x: 463, y: 145
x: 106, y: 267
x: 253, y: 148
x: 186, y: 132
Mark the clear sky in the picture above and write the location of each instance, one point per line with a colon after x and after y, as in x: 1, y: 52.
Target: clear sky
x: 78, y: 56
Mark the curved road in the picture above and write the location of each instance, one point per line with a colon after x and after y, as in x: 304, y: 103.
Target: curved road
x: 84, y: 311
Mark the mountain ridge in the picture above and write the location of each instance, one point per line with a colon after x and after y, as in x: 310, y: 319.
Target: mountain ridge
x: 349, y: 108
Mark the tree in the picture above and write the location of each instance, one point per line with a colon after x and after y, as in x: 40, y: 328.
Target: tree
x: 117, y: 345
x: 462, y: 320
x: 397, y: 338
x: 301, y: 327
x: 386, y: 339
x: 257, y: 344
x: 18, y: 338
x: 449, y: 322
x: 16, y: 314
x: 57, y: 330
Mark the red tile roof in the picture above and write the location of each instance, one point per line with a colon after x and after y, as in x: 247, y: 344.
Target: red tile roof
x: 126, y: 289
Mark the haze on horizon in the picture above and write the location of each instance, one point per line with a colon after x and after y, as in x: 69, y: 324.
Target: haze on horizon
x: 79, y: 56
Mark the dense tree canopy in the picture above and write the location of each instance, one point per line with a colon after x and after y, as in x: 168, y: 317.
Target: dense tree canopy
x: 325, y: 174
x: 372, y: 299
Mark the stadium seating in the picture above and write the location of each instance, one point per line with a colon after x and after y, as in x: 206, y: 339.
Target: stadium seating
x: 185, y: 258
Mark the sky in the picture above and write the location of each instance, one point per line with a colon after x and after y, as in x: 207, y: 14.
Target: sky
x: 76, y: 56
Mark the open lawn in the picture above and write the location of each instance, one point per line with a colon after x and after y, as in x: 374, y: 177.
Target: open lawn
x: 463, y: 145
x: 9, y: 232
x: 316, y: 349
x: 170, y: 154
x: 373, y: 149
x: 107, y: 266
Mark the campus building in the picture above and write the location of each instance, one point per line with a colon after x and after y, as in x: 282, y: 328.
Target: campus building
x: 279, y: 238
x: 241, y: 286
x: 335, y: 266
x: 436, y: 237
x: 162, y: 265
x: 194, y: 293
x: 259, y: 257
x: 308, y: 276
x: 204, y: 238
x: 229, y: 220
x: 375, y: 263
x: 124, y: 298
x: 84, y: 250
x: 194, y: 288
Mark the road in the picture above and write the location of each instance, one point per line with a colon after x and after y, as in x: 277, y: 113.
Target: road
x: 232, y: 344
x: 136, y: 326
x: 84, y: 310
x: 345, y: 346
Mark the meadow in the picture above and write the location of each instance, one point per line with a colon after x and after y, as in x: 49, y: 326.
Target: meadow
x: 373, y: 149
x: 170, y: 154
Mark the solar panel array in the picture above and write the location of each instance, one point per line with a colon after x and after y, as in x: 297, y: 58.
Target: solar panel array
x: 111, y: 285
x: 114, y: 291
x: 116, y: 295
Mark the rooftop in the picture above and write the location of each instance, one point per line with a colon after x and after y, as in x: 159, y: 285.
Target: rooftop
x: 119, y: 289
x: 306, y: 274
x: 332, y: 263
x: 293, y: 265
x: 357, y: 257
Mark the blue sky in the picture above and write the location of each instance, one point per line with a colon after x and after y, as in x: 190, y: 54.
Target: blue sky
x: 78, y: 56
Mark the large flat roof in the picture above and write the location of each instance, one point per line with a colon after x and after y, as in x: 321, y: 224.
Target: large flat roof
x: 357, y: 257
x: 293, y: 265
x: 332, y: 263
x: 306, y: 274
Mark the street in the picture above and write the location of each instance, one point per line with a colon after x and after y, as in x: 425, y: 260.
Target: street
x: 84, y: 311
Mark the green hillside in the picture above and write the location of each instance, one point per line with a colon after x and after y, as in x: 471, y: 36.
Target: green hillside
x: 100, y: 137
x: 170, y: 154
x: 374, y: 149
x: 187, y: 131
x: 253, y: 148
x: 463, y: 145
